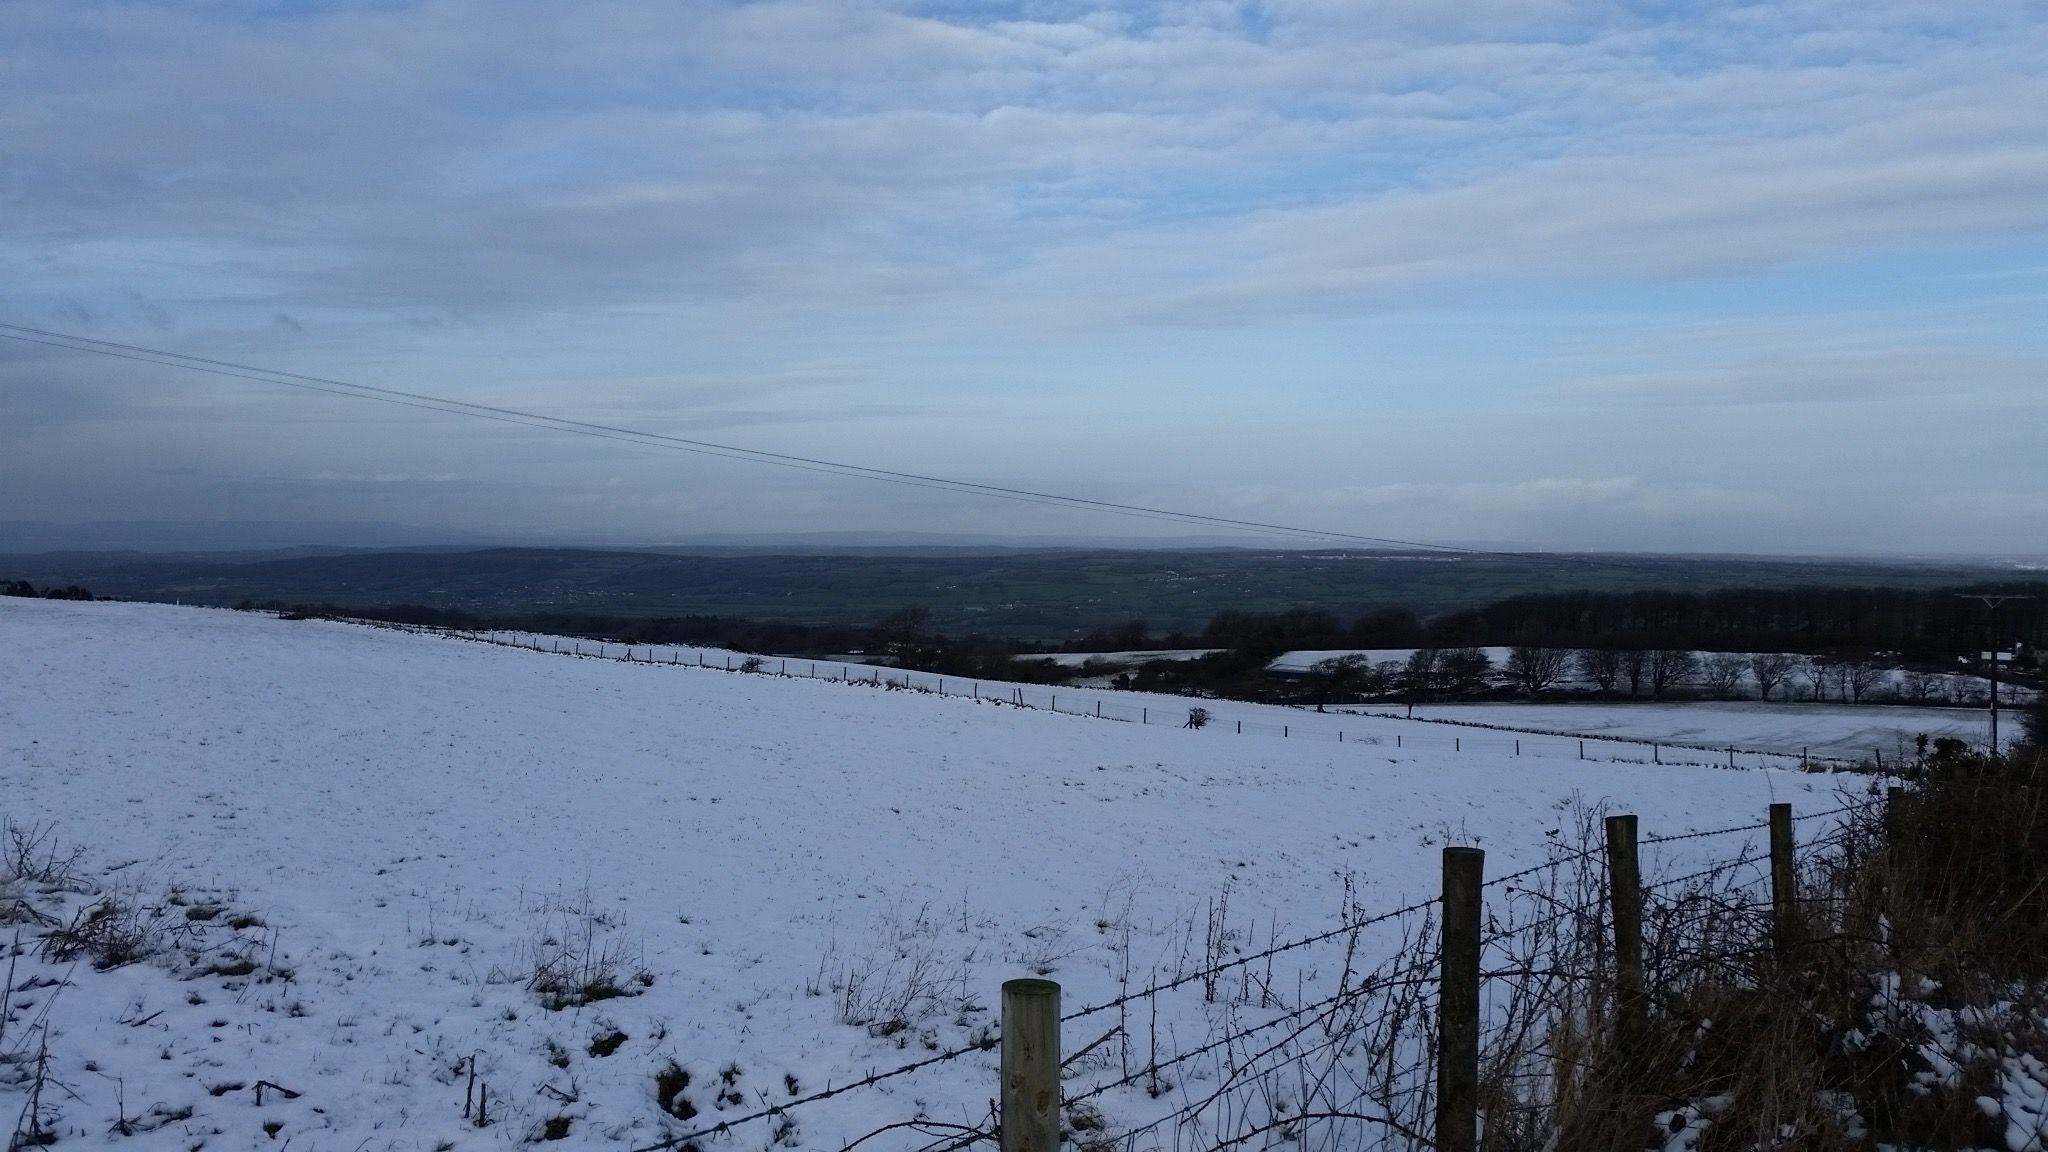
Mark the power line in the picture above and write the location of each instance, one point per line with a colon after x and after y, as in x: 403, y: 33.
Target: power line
x: 428, y: 402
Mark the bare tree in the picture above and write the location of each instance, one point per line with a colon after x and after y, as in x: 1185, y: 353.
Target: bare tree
x: 1817, y: 670
x: 1634, y: 663
x: 1534, y: 669
x: 1422, y: 675
x: 1722, y: 674
x: 1339, y: 675
x: 1670, y: 667
x: 1600, y: 665
x: 1860, y: 676
x: 1919, y: 687
x: 1771, y: 669
x: 1465, y: 669
x: 1380, y: 678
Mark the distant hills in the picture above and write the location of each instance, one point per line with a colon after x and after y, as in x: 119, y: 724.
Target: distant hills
x: 1023, y: 593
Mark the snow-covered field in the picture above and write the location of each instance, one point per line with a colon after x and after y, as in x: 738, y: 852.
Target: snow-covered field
x: 407, y: 829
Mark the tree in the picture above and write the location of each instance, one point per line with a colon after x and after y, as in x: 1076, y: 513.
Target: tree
x: 1465, y: 669
x: 1534, y: 669
x: 904, y: 624
x: 1422, y: 675
x: 1722, y: 674
x: 1817, y: 670
x: 1670, y: 667
x: 1634, y: 663
x: 2034, y: 721
x: 1770, y: 669
x: 1198, y: 717
x: 1339, y: 674
x: 1379, y: 678
x: 1600, y: 665
x: 1919, y: 687
x: 1860, y: 676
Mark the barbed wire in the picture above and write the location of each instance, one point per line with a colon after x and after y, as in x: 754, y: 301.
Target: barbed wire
x: 867, y: 1081
x: 1292, y: 945
x: 1310, y: 1014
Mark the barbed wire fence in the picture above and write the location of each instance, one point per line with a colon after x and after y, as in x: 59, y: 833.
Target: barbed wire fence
x: 1399, y: 1029
x: 1109, y: 705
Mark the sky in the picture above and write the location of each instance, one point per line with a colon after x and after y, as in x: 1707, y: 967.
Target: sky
x: 1642, y: 276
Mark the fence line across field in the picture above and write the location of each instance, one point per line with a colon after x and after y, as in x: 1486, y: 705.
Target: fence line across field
x: 1030, y: 1097
x: 1090, y: 703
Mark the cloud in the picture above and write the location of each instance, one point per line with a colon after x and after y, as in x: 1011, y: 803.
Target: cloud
x: 1055, y: 240
x: 1955, y: 378
x: 396, y: 157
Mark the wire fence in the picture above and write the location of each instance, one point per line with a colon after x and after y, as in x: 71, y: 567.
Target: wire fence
x: 1350, y: 1053
x: 1369, y: 735
x: 1355, y: 1042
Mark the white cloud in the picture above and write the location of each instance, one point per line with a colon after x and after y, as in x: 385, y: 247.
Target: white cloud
x: 677, y: 213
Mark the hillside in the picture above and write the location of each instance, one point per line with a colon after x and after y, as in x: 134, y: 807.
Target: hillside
x: 791, y: 882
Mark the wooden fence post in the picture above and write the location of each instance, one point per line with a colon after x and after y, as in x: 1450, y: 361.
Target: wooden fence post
x: 1030, y: 1117
x: 1625, y: 902
x: 1457, y: 1062
x: 1784, y: 881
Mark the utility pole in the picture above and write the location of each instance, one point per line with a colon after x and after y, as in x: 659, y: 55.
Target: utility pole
x: 1992, y: 601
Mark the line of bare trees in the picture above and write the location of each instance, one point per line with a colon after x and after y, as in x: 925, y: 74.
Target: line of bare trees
x: 1645, y: 673
x: 1728, y: 675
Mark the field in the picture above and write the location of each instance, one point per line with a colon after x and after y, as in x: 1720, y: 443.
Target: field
x: 379, y: 866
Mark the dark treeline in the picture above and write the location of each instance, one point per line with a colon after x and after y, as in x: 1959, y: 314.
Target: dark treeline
x: 24, y: 588
x: 1914, y: 624
x: 902, y: 637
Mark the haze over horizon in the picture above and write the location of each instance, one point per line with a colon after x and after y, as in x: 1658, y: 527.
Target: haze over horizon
x: 1719, y: 279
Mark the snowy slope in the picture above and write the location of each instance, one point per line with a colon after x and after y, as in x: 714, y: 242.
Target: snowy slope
x: 414, y: 820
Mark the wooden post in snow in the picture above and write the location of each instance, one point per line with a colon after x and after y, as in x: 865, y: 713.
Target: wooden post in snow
x: 1784, y: 881
x: 1457, y: 1063
x: 1030, y: 1103
x: 1625, y: 902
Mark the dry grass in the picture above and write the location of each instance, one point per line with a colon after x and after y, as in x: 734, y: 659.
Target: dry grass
x: 1906, y: 1009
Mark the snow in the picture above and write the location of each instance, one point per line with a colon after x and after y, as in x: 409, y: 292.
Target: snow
x: 414, y: 820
